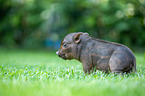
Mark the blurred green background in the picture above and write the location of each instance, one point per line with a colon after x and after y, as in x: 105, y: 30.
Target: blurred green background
x: 43, y: 23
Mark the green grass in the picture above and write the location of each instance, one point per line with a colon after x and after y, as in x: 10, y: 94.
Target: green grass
x: 42, y: 73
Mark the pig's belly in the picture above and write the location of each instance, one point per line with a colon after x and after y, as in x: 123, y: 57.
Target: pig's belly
x: 102, y: 64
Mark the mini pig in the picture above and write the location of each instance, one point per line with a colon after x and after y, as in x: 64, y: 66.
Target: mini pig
x: 96, y: 54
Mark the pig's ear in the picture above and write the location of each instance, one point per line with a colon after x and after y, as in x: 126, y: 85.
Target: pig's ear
x: 77, y: 37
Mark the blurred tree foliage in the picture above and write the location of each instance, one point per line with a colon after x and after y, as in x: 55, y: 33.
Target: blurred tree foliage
x: 27, y: 23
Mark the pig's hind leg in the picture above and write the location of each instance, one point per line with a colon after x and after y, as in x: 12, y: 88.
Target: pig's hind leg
x: 118, y: 63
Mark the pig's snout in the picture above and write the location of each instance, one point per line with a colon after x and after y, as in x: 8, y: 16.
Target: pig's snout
x: 60, y: 54
x: 57, y: 52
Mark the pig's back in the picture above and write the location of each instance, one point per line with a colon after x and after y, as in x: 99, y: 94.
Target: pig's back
x: 107, y: 48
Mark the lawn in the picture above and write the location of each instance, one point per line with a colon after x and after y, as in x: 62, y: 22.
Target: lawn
x: 42, y: 73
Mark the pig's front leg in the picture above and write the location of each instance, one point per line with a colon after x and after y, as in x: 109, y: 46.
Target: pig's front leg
x: 87, y: 68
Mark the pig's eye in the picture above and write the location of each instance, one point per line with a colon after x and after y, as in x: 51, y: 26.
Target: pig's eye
x: 65, y: 44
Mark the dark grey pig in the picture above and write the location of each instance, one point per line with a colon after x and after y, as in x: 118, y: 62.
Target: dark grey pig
x: 96, y: 54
